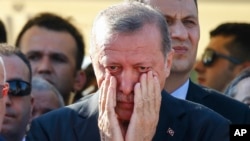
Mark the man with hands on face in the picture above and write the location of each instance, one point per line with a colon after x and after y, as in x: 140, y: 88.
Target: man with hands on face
x: 126, y: 111
x: 131, y: 56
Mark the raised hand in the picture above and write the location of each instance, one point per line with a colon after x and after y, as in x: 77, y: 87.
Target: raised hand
x: 107, y: 121
x: 147, y: 103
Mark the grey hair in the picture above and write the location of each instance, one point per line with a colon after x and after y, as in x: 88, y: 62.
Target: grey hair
x: 40, y: 84
x: 4, y: 70
x: 128, y: 17
x: 231, y: 89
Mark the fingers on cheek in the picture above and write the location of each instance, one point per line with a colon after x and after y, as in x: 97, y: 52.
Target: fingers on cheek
x: 103, y: 93
x: 112, y: 92
x: 138, y: 95
x: 157, y: 92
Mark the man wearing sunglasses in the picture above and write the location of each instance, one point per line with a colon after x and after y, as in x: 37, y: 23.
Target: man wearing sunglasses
x: 227, y: 54
x: 19, y: 101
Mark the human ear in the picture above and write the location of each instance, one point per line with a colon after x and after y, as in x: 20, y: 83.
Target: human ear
x: 168, y: 63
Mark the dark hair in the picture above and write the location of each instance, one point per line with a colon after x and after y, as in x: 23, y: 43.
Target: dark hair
x: 56, y: 23
x: 239, y: 47
x: 3, y: 33
x: 8, y: 50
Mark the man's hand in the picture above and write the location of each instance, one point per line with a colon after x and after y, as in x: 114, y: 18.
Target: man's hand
x: 143, y: 122
x: 107, y: 121
x: 147, y: 102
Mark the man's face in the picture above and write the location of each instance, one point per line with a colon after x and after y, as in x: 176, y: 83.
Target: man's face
x: 126, y: 56
x: 2, y: 106
x: 221, y: 72
x: 2, y: 97
x: 44, y: 101
x: 182, y: 18
x: 2, y: 112
x: 52, y: 56
x: 18, y: 108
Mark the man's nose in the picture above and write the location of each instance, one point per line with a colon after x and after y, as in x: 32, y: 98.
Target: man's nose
x: 44, y: 66
x: 127, y: 81
x: 178, y: 31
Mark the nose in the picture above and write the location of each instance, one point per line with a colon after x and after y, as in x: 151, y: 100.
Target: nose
x: 178, y: 31
x: 127, y: 81
x: 199, y: 67
x: 44, y: 66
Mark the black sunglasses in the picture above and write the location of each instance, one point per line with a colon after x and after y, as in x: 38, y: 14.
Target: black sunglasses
x: 19, y: 88
x: 210, y: 56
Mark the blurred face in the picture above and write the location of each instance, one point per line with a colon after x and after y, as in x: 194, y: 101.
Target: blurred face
x: 18, y: 108
x: 182, y: 18
x: 3, y: 98
x: 52, y: 56
x: 243, y: 91
x: 44, y: 101
x: 221, y: 71
x: 126, y: 56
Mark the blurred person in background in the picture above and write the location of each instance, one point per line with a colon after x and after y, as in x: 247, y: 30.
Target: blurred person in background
x: 91, y: 83
x: 19, y: 101
x: 239, y: 88
x: 55, y: 49
x: 46, y: 97
x: 226, y: 55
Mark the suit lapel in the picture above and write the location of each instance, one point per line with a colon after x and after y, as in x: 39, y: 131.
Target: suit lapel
x: 172, y: 123
x: 195, y: 93
x: 86, y: 123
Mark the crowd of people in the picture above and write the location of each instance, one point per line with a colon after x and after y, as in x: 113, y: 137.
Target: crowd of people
x: 137, y: 86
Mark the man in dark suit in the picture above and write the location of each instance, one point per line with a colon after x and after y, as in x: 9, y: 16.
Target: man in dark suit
x: 131, y: 55
x: 183, y: 23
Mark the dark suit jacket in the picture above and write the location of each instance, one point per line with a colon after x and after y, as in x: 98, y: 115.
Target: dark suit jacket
x: 179, y: 120
x: 235, y: 111
x: 1, y: 138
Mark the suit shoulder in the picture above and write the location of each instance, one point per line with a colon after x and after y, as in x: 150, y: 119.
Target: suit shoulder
x: 211, y: 96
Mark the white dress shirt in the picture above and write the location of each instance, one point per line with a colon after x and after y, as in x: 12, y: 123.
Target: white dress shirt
x: 181, y: 92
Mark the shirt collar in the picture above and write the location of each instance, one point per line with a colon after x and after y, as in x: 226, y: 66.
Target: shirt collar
x: 181, y: 92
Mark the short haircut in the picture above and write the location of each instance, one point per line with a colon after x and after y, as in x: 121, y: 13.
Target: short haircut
x: 128, y: 18
x: 3, y: 33
x: 40, y: 84
x: 239, y: 47
x: 56, y: 23
x: 8, y: 50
